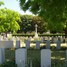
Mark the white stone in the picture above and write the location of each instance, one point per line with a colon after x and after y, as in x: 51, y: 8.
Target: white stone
x: 21, y: 57
x: 36, y: 34
x: 6, y: 44
x: 1, y: 38
x: 42, y: 39
x: 45, y: 58
x: 2, y: 55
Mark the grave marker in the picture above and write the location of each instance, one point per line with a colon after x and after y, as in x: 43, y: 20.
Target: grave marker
x: 48, y: 44
x: 21, y: 57
x: 37, y: 45
x: 6, y: 44
x: 45, y: 58
x: 27, y: 44
x: 2, y: 55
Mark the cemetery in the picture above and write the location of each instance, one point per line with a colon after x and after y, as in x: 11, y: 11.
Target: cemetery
x: 37, y: 40
x: 33, y: 52
x: 36, y: 51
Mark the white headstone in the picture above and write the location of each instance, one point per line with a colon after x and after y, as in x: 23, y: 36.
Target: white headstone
x: 37, y: 45
x: 18, y: 44
x: 45, y: 58
x: 21, y: 57
x: 1, y: 38
x: 52, y: 39
x: 55, y: 39
x: 2, y: 55
x: 27, y: 43
x: 48, y: 44
x: 6, y: 44
x: 42, y: 39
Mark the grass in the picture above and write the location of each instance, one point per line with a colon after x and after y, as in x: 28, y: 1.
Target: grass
x: 33, y: 56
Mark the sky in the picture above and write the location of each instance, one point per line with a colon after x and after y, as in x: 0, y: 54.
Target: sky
x: 14, y: 5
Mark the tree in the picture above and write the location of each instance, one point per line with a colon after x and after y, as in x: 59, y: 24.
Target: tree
x: 29, y: 21
x: 9, y: 20
x: 52, y: 11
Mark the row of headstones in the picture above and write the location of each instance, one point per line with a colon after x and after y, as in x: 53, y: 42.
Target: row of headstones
x: 10, y: 44
x: 54, y: 39
x: 47, y: 44
x: 21, y: 57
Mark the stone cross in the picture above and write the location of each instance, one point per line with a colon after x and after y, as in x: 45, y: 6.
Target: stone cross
x: 36, y: 35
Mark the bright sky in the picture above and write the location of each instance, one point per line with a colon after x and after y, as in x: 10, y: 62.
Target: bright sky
x: 14, y: 5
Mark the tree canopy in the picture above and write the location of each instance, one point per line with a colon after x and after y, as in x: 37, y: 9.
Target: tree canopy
x: 28, y: 23
x: 52, y: 11
x: 8, y: 20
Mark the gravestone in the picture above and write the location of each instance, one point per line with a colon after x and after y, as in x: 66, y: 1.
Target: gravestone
x: 27, y: 44
x: 52, y: 39
x: 48, y: 44
x: 58, y: 44
x: 21, y: 57
x: 55, y: 39
x: 45, y: 58
x: 6, y: 44
x: 18, y: 44
x: 37, y: 45
x: 42, y: 39
x: 1, y: 38
x: 2, y: 55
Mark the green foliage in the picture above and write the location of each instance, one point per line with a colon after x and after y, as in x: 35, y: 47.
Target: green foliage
x: 29, y: 21
x: 9, y: 20
x: 52, y: 11
x: 29, y: 34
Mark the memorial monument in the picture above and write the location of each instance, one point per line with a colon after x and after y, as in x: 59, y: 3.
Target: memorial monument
x: 36, y: 34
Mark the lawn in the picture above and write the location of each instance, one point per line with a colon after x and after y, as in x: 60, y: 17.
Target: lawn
x: 33, y: 57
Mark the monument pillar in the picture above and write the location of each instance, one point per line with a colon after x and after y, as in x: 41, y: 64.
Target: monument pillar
x: 36, y: 34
